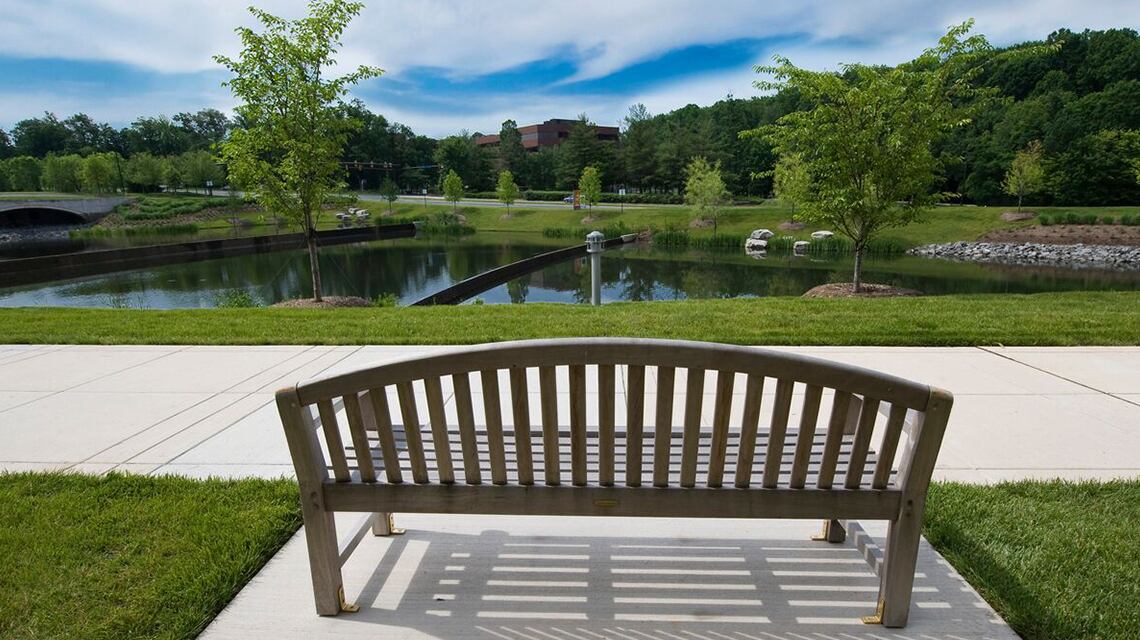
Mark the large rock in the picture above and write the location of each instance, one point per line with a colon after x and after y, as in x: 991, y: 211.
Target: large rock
x: 1115, y: 257
x: 753, y: 244
x: 821, y: 235
x: 761, y: 234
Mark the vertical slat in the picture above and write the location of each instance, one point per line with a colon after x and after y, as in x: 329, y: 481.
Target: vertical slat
x: 493, y: 410
x: 808, y: 419
x: 332, y: 439
x: 551, y: 457
x: 578, y: 425
x: 835, y: 428
x: 635, y: 423
x: 520, y: 405
x: 776, y: 432
x: 663, y: 429
x: 379, y: 401
x: 888, y: 446
x: 862, y: 442
x: 411, y: 415
x: 694, y: 396
x: 359, y: 438
x: 462, y: 385
x: 440, y: 441
x: 721, y: 412
x: 749, y: 423
x: 606, y: 399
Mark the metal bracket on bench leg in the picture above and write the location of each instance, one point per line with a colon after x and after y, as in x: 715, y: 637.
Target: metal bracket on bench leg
x: 878, y: 617
x: 386, y: 527
x: 345, y: 606
x: 829, y: 534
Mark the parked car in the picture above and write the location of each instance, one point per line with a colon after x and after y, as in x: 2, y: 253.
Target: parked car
x: 568, y: 199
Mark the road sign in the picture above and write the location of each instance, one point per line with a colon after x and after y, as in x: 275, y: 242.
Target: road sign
x: 621, y: 191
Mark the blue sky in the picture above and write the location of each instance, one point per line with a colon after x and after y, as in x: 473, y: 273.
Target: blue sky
x: 453, y: 64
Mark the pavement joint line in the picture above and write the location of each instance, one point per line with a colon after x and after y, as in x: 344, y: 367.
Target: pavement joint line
x: 96, y: 379
x: 177, y: 413
x: 251, y: 412
x: 1059, y: 376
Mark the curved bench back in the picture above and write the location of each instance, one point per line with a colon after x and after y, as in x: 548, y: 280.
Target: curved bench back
x: 616, y: 412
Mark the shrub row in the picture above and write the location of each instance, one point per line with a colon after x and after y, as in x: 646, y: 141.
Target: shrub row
x: 1086, y: 218
x: 629, y: 198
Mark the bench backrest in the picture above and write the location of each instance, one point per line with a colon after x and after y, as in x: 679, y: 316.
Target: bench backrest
x: 730, y: 426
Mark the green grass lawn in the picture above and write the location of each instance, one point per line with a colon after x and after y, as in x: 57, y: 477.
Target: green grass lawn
x: 90, y: 557
x: 130, y: 556
x: 1074, y: 318
x: 1058, y: 561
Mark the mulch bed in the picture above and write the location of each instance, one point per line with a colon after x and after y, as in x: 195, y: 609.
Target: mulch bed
x: 327, y: 302
x: 867, y: 290
x: 1068, y: 234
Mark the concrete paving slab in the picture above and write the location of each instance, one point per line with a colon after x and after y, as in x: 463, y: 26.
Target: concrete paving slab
x: 194, y: 370
x: 1107, y: 371
x: 255, y: 439
x: 590, y: 578
x: 12, y: 399
x: 63, y: 369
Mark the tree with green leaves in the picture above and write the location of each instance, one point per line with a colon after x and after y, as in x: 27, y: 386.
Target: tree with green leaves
x: 453, y: 189
x: 590, y: 187
x: 506, y: 190
x: 62, y: 173
x: 788, y: 180
x: 25, y: 173
x: 98, y: 172
x: 286, y: 154
x: 200, y: 168
x: 146, y: 172
x: 704, y: 189
x: 512, y: 155
x: 390, y: 193
x: 865, y: 143
x: 1025, y: 174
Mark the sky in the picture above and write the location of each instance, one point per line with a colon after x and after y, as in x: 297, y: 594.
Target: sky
x: 470, y: 64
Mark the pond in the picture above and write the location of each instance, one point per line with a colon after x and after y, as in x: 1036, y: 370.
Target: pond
x: 413, y: 268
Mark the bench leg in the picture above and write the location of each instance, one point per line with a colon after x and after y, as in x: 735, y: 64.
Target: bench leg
x: 896, y: 577
x: 833, y: 531
x: 383, y: 524
x: 324, y: 563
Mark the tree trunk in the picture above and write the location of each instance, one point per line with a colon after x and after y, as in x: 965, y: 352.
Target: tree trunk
x: 314, y: 264
x: 1019, y: 203
x: 857, y: 279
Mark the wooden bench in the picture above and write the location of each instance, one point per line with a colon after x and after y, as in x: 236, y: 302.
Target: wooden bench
x: 381, y: 459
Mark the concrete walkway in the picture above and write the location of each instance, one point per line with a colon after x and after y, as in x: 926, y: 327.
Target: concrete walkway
x: 201, y: 411
x: 198, y: 411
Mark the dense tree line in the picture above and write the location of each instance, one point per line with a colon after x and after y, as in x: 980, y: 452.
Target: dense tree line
x: 1076, y: 98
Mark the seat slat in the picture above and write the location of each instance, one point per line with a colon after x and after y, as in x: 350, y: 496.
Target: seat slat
x: 809, y: 416
x: 333, y: 440
x: 776, y: 431
x: 378, y: 400
x: 722, y: 411
x: 359, y: 437
x: 461, y: 382
x: 578, y: 425
x: 520, y: 405
x: 606, y: 400
x: 835, y: 431
x: 862, y: 442
x: 493, y: 413
x: 663, y: 426
x: 548, y: 391
x: 635, y: 423
x: 411, y: 416
x: 440, y: 440
x: 749, y: 424
x: 888, y: 446
x: 694, y: 394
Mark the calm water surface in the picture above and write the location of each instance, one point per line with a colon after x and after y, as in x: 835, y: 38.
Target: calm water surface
x: 413, y: 268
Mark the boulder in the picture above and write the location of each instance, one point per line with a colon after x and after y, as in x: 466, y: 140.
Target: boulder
x: 821, y: 235
x: 761, y: 234
x: 752, y: 244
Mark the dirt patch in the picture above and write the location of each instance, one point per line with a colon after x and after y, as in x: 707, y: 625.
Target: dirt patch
x: 701, y: 223
x: 506, y: 216
x: 1114, y: 234
x: 1014, y: 216
x: 791, y: 225
x: 868, y: 290
x: 590, y: 220
x: 327, y: 302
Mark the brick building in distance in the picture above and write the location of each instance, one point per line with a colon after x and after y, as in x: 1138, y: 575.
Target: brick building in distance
x: 548, y: 134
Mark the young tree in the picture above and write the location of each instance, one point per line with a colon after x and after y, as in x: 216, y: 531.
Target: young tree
x: 507, y: 190
x: 453, y: 189
x: 287, y: 153
x: 390, y: 192
x: 1025, y: 174
x: 200, y: 168
x: 789, y: 181
x: 590, y: 187
x: 511, y: 151
x: 704, y: 189
x: 145, y: 171
x: 864, y: 146
x: 98, y: 172
x: 62, y: 173
x: 25, y: 173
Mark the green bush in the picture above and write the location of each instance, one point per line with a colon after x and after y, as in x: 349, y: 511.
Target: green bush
x: 579, y: 233
x: 1107, y: 220
x: 1045, y: 220
x: 1088, y: 218
x: 386, y: 300
x: 234, y: 299
x: 1127, y: 219
x: 1072, y: 218
x: 629, y: 198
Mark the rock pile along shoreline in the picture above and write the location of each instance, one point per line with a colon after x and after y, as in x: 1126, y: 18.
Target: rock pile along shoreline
x: 1081, y: 256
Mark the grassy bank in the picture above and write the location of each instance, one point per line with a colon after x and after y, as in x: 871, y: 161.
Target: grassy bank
x: 1057, y: 560
x: 129, y: 556
x: 1076, y: 318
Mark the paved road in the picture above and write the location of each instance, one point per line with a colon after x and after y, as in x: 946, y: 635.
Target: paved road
x: 486, y: 203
